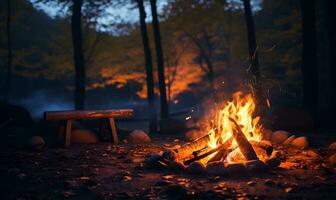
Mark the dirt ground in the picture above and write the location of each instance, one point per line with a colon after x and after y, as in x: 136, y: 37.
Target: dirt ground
x: 105, y: 171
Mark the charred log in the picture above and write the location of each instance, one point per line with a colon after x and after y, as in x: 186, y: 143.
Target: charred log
x: 225, y: 145
x: 187, y: 149
x: 263, y: 145
x: 244, y: 145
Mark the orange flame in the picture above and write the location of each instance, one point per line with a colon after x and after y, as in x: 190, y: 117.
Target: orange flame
x: 241, y: 110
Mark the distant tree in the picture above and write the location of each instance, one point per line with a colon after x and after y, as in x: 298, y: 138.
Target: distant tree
x: 206, y: 36
x: 326, y: 52
x: 77, y: 41
x: 309, y: 57
x: 160, y: 62
x: 149, y: 68
x: 9, y: 52
x: 253, y: 51
x: 278, y: 26
x: 87, y: 11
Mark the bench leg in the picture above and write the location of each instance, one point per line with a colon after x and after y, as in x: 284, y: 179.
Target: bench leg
x: 68, y: 133
x: 114, y: 130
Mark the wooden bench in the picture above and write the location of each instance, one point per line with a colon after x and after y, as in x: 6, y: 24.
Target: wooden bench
x: 66, y: 118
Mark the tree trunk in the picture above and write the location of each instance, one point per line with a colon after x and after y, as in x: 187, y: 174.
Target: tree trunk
x: 254, y: 60
x: 327, y: 53
x: 149, y: 69
x: 159, y: 59
x: 77, y: 40
x: 211, y: 78
x: 309, y: 58
x: 9, y: 52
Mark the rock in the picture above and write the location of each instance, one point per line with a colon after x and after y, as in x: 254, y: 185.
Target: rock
x: 332, y: 146
x: 273, y: 162
x: 176, y: 165
x: 269, y: 182
x: 37, y: 142
x: 168, y: 155
x: 332, y: 159
x: 289, y: 140
x: 278, y: 137
x: 251, y: 183
x: 217, y: 168
x: 196, y: 168
x: 154, y: 161
x: 312, y: 154
x: 300, y: 142
x: 193, y: 134
x: 235, y: 168
x: 266, y: 134
x: 15, y: 116
x: 83, y: 136
x: 138, y: 137
x: 255, y: 166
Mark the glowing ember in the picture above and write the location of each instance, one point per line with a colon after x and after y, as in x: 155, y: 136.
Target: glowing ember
x: 241, y: 110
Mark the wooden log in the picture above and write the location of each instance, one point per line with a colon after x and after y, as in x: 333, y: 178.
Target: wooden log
x: 187, y: 149
x: 244, y: 145
x: 220, y: 155
x: 201, y: 151
x: 268, y: 148
x: 261, y: 153
x: 88, y: 114
x: 225, y: 145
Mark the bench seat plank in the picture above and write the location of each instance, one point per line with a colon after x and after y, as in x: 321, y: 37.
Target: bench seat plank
x: 88, y: 114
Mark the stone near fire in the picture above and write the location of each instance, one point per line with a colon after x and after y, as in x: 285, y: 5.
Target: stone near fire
x: 273, y: 162
x: 84, y: 136
x: 217, y: 168
x: 266, y: 134
x: 332, y: 159
x: 289, y: 140
x: 255, y: 166
x: 37, y: 142
x: 193, y: 134
x: 235, y: 168
x: 153, y: 161
x: 332, y: 146
x: 196, y: 168
x: 176, y: 165
x: 278, y: 137
x: 300, y: 142
x: 138, y: 137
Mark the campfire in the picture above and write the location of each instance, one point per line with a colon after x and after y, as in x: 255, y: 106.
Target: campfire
x: 234, y: 142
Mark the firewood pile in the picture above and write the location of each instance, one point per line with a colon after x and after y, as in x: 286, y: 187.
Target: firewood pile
x: 198, y: 157
x: 232, y: 146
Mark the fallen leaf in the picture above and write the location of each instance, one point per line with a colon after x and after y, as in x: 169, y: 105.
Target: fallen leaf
x: 85, y: 178
x: 167, y: 177
x: 289, y: 189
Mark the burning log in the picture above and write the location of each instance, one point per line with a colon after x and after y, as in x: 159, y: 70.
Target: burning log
x: 201, y: 151
x: 219, y: 155
x: 186, y: 150
x: 264, y: 145
x: 225, y: 145
x: 244, y: 145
